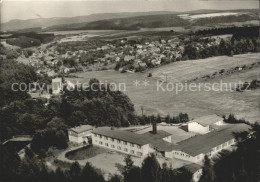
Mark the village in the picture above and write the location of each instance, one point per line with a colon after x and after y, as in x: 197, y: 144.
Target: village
x: 122, y: 55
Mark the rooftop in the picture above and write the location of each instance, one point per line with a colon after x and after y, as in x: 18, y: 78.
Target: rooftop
x: 140, y: 139
x: 207, y: 120
x: 204, y: 143
x: 81, y: 128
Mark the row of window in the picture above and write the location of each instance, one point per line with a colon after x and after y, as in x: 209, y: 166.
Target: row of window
x: 119, y: 148
x: 181, y: 154
x: 117, y: 140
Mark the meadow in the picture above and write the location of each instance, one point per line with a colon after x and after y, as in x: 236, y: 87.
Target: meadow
x: 195, y: 103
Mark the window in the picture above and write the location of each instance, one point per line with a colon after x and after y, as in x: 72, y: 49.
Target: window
x: 106, y: 138
x: 100, y: 142
x: 125, y: 149
x: 132, y: 151
x: 112, y: 139
x: 119, y: 148
x: 132, y: 145
x: 139, y: 153
x: 100, y: 136
x: 125, y: 143
x: 112, y: 146
x: 138, y: 146
x: 118, y: 141
x: 106, y: 144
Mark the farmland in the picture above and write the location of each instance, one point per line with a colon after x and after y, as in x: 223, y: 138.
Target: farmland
x: 243, y: 105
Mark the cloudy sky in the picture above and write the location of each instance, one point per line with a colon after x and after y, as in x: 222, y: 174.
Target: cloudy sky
x: 25, y: 9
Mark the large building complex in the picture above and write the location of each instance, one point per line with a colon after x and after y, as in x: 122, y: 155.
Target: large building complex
x: 193, y: 149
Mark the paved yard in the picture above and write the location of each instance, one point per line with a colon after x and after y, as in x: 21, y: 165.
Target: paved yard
x: 108, y: 162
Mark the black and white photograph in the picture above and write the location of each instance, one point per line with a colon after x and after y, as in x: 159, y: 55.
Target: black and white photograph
x: 129, y: 91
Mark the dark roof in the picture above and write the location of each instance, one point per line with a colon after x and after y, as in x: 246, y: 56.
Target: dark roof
x: 157, y: 141
x: 207, y: 120
x: 82, y: 128
x: 121, y: 135
x: 140, y: 139
x: 204, y: 143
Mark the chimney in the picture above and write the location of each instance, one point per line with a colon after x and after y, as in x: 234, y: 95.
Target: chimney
x: 154, y: 128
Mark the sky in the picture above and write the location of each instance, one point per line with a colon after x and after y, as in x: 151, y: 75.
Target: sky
x: 29, y: 9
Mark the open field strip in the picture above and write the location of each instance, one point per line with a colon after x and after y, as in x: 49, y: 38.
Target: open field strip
x: 242, y: 104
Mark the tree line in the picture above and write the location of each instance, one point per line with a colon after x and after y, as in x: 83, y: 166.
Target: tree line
x: 180, y: 118
x: 31, y: 168
x: 252, y: 31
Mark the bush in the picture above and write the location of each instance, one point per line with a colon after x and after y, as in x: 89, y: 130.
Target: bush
x: 12, y: 54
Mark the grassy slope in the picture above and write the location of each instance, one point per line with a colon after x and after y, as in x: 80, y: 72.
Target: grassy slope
x: 196, y: 104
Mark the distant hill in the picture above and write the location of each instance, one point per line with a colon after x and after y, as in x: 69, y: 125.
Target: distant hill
x: 130, y: 23
x: 16, y: 24
x: 94, y: 21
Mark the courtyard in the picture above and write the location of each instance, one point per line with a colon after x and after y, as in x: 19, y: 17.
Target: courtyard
x: 109, y: 162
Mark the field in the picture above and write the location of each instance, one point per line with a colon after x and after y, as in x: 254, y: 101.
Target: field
x: 195, y: 103
x: 211, y: 15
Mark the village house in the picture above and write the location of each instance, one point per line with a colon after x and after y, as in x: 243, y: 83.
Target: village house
x: 57, y: 86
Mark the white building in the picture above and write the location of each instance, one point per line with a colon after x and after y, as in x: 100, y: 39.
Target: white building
x: 57, y: 85
x: 80, y: 134
x: 129, y: 142
x: 194, y: 149
x: 205, y: 124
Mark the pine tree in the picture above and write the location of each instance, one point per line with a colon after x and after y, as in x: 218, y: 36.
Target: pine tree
x: 90, y: 173
x: 208, y: 174
x: 75, y: 171
x: 150, y: 169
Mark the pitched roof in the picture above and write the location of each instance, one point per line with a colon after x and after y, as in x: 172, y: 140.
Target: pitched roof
x: 157, y: 141
x: 207, y: 120
x: 120, y: 134
x: 140, y: 139
x: 81, y: 128
x: 204, y: 143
